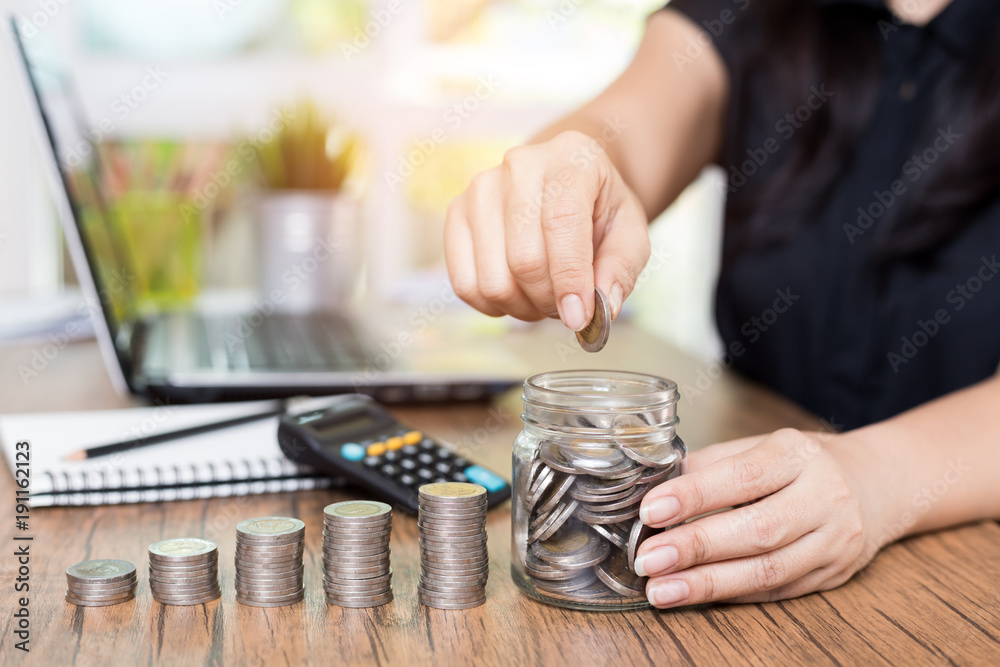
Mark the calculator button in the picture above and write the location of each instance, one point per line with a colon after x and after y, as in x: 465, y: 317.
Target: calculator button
x: 459, y: 477
x: 413, y: 437
x: 426, y: 459
x: 408, y: 464
x: 442, y: 468
x: 440, y: 480
x: 407, y: 479
x: 425, y: 474
x: 427, y: 443
x: 390, y: 456
x: 409, y: 450
x: 482, y: 476
x: 352, y: 451
x: 394, y: 443
x: 372, y: 461
x: 444, y: 453
x: 389, y: 470
x: 459, y: 462
x: 376, y: 449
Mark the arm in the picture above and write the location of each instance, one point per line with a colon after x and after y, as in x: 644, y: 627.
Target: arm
x: 532, y: 237
x: 822, y: 504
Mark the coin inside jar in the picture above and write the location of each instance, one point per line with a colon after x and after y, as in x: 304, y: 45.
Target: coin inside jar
x: 573, y: 547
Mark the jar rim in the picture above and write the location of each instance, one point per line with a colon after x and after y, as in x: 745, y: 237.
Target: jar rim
x: 626, y: 389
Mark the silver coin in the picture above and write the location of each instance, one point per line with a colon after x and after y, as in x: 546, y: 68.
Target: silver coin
x: 556, y: 492
x: 575, y: 547
x: 184, y: 591
x: 257, y: 573
x: 654, y: 476
x: 599, y: 486
x: 182, y: 549
x: 368, y: 533
x: 270, y: 527
x: 276, y: 563
x: 292, y: 583
x: 614, y: 573
x: 475, y: 589
x: 541, y: 484
x: 115, y: 597
x: 275, y: 550
x: 623, y: 470
x: 583, y: 579
x: 100, y: 571
x: 183, y: 602
x: 594, y: 336
x: 84, y: 591
x: 286, y: 588
x: 615, y: 516
x: 358, y: 598
x: 551, y: 454
x: 554, y: 521
x: 456, y: 562
x: 360, y: 603
x: 351, y: 511
x: 207, y: 576
x: 449, y: 596
x: 659, y: 454
x: 459, y: 533
x: 355, y: 560
x: 79, y: 602
x: 539, y: 569
x: 612, y: 533
x: 453, y: 492
x: 634, y: 498
x: 253, y: 601
x: 639, y: 533
x: 586, y: 496
x: 255, y: 542
x: 335, y: 551
x: 440, y: 604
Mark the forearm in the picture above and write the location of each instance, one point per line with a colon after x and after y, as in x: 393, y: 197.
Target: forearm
x: 660, y: 123
x: 933, y: 466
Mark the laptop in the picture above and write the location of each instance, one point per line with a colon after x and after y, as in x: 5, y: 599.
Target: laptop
x: 185, y: 355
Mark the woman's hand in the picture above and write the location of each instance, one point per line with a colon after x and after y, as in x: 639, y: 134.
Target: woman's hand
x: 810, y: 526
x: 532, y: 237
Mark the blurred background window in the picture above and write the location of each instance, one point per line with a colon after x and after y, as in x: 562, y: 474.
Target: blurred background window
x: 434, y: 91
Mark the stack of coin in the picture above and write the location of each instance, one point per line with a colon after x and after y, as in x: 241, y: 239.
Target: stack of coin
x: 454, y: 560
x: 184, y: 571
x: 99, y: 583
x: 356, y: 553
x: 582, y: 502
x: 269, y: 561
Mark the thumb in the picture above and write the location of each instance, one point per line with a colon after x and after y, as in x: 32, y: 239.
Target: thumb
x: 622, y: 248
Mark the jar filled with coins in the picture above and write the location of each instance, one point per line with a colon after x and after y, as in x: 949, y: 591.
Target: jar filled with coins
x: 593, y: 444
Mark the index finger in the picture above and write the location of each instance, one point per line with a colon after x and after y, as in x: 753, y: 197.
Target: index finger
x: 567, y: 220
x: 743, y: 477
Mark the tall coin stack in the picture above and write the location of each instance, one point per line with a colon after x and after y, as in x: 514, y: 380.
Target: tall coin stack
x: 269, y: 561
x: 454, y: 560
x: 356, y: 553
x: 99, y: 583
x: 184, y: 571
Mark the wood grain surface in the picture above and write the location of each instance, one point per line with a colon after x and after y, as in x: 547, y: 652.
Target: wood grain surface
x: 933, y: 599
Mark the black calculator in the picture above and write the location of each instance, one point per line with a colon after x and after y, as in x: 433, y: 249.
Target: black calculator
x: 355, y: 438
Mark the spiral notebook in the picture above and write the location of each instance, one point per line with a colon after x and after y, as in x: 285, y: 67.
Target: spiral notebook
x: 242, y: 460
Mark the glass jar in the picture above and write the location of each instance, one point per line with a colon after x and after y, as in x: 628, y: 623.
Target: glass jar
x: 593, y: 444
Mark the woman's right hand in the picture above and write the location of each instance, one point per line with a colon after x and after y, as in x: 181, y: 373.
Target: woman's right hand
x: 533, y: 236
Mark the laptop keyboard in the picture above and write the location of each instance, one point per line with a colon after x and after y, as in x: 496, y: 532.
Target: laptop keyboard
x: 283, y: 343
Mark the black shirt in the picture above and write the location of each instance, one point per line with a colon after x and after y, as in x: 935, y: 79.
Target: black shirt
x: 806, y: 316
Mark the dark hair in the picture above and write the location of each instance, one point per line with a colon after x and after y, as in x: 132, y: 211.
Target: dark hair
x: 799, y: 44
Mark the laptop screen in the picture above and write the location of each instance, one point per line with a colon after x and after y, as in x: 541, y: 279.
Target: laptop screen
x: 80, y: 164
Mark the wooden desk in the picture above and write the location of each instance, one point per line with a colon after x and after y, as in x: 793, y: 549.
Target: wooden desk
x: 929, y: 600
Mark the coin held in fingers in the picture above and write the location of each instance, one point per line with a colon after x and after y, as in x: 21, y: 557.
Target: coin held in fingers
x: 594, y: 336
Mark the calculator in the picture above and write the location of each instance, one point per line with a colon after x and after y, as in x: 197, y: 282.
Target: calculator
x: 353, y: 437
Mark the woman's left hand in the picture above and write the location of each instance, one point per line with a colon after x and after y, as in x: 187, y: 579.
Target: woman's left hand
x: 810, y: 525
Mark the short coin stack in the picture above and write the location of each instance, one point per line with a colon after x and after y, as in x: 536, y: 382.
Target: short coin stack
x: 454, y: 560
x: 356, y: 553
x: 269, y: 561
x: 184, y: 571
x: 99, y: 583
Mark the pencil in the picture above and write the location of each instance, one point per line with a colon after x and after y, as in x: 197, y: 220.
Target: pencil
x: 125, y: 445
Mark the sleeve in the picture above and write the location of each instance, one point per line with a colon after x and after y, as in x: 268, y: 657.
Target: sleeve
x: 721, y: 22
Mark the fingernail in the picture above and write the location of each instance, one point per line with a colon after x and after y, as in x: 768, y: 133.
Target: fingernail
x: 656, y: 561
x: 668, y: 592
x: 659, y: 510
x: 616, y: 296
x: 572, y: 313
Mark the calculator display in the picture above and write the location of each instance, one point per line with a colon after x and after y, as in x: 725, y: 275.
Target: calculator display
x: 328, y: 428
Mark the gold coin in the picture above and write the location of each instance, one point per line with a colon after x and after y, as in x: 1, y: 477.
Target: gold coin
x: 452, y: 490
